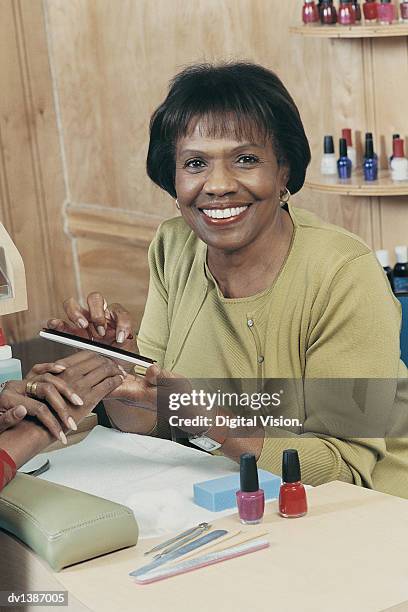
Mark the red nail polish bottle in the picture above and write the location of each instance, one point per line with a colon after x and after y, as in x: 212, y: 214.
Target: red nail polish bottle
x: 347, y: 15
x: 292, y: 495
x: 250, y: 498
x: 370, y: 10
x: 309, y: 12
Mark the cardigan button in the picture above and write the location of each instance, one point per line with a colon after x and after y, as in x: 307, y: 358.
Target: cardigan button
x: 261, y: 359
x: 250, y: 323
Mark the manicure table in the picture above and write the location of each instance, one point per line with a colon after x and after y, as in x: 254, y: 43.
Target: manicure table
x: 348, y: 553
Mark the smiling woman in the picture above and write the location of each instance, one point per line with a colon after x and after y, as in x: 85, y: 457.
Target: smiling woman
x: 247, y: 290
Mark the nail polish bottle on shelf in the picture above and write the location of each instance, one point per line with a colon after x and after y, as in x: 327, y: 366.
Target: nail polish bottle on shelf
x: 404, y: 10
x: 386, y: 12
x: 370, y: 10
x: 357, y: 10
x: 399, y: 164
x: 292, y: 494
x: 310, y: 13
x: 394, y: 137
x: 401, y: 270
x: 346, y: 14
x: 370, y: 164
x: 328, y: 164
x: 343, y: 163
x: 351, y: 152
x: 250, y: 498
x: 328, y: 13
x: 384, y: 259
x: 369, y: 136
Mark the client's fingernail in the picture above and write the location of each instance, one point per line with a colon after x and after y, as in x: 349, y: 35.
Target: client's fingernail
x: 101, y: 330
x: 53, y: 323
x: 20, y: 412
x: 59, y: 368
x: 63, y: 437
x: 122, y: 377
x: 83, y: 323
x: 122, y: 370
x: 75, y: 399
x: 72, y: 424
x: 121, y: 337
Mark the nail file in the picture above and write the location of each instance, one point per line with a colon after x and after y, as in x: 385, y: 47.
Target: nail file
x: 196, y: 529
x: 94, y: 345
x: 203, y: 561
x: 219, y: 547
x: 210, y: 546
x: 209, y: 537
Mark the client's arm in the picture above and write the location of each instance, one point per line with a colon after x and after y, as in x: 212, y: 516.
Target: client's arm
x: 92, y: 376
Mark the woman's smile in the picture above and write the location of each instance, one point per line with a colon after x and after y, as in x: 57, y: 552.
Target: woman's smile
x: 231, y: 213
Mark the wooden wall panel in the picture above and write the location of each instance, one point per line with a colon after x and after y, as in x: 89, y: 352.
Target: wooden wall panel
x: 133, y: 48
x: 31, y: 185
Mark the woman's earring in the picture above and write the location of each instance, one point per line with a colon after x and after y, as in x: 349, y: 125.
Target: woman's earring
x: 285, y: 196
x: 177, y: 204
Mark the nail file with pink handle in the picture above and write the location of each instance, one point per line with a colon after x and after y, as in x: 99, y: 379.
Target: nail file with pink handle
x: 203, y: 561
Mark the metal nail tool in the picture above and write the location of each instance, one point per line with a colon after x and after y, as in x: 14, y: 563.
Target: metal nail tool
x: 209, y: 537
x: 180, y: 543
x: 193, y: 531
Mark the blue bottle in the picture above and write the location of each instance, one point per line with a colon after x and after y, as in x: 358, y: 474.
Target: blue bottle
x: 343, y: 163
x: 370, y: 164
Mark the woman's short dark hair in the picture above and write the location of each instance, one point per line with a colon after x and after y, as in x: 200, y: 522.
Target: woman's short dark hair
x: 242, y: 99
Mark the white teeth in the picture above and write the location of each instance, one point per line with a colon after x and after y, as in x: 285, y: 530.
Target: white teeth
x: 224, y: 214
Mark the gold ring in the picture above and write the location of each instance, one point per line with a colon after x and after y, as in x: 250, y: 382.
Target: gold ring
x: 31, y: 388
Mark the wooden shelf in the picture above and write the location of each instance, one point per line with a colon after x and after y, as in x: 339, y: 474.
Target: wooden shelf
x: 356, y: 31
x: 357, y: 186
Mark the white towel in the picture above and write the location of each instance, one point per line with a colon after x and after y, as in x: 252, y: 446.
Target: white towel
x: 151, y: 476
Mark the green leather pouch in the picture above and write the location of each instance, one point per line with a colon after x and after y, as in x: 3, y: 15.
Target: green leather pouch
x: 63, y: 525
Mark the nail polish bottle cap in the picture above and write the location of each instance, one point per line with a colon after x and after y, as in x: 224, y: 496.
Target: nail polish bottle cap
x: 383, y: 257
x: 369, y: 135
x: 346, y: 133
x: 385, y: 1
x: 248, y: 473
x: 290, y: 466
x: 394, y: 136
x: 398, y: 147
x: 328, y: 145
x: 343, y: 147
x: 401, y: 253
x: 369, y: 149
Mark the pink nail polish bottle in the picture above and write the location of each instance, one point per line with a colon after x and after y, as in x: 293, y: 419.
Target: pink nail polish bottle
x: 386, y: 12
x: 250, y: 498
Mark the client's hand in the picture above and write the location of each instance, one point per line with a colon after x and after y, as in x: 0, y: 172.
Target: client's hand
x: 11, y: 416
x: 83, y: 379
x: 108, y: 324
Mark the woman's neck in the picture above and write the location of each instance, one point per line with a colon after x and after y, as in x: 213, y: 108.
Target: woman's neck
x: 253, y: 268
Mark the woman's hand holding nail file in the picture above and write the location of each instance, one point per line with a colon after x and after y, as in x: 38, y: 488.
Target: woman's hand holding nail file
x: 111, y: 324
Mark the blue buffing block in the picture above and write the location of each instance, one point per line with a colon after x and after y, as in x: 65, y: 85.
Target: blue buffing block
x: 219, y: 493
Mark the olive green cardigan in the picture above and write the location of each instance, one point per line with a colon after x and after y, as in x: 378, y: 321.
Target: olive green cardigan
x: 330, y: 314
